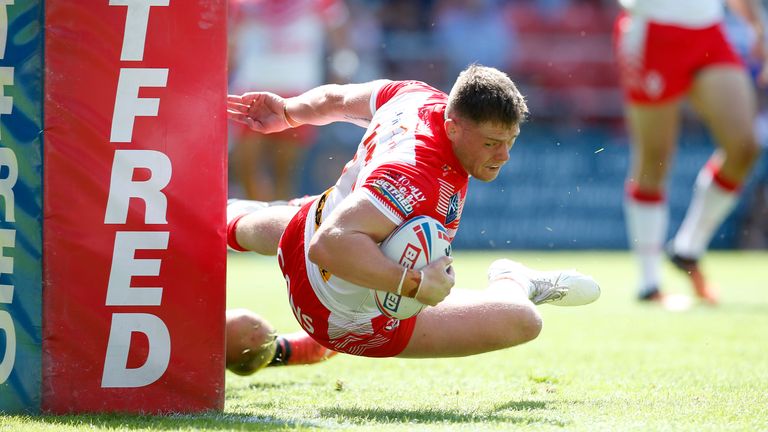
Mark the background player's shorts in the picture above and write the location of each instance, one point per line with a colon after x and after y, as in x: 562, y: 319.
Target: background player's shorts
x: 659, y: 62
x: 385, y: 337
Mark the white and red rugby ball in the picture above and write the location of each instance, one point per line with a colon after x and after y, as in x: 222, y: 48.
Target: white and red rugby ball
x: 413, y: 244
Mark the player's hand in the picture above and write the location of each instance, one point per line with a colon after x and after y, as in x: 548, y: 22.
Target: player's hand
x: 261, y: 111
x: 436, y: 282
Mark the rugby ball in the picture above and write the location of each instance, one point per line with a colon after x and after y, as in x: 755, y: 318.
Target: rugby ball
x: 413, y: 244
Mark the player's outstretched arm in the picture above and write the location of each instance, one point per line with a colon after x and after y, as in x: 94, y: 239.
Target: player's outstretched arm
x: 267, y: 112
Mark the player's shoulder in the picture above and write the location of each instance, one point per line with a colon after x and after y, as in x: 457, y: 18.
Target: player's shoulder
x: 391, y: 89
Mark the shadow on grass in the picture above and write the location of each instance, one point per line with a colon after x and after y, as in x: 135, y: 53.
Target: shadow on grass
x: 172, y: 422
x: 512, y: 412
x: 521, y: 414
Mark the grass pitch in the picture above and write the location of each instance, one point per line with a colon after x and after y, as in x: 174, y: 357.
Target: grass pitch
x: 615, y: 365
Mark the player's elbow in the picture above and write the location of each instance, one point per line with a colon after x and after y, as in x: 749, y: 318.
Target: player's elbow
x: 320, y: 251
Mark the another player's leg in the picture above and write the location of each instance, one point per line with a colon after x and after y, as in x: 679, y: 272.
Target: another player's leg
x: 654, y: 130
x: 252, y: 344
x: 718, y: 184
x: 501, y: 316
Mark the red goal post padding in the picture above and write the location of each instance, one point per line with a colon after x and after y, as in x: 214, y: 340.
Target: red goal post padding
x: 134, y: 202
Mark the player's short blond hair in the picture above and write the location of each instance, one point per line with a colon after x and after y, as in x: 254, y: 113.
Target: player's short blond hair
x: 484, y: 94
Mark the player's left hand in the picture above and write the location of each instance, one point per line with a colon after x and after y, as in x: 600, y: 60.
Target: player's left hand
x: 261, y: 111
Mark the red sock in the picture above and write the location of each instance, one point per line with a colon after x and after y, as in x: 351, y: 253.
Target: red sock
x: 231, y: 230
x: 643, y: 196
x: 724, y: 183
x: 299, y: 349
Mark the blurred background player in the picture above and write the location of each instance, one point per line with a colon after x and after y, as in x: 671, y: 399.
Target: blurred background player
x: 280, y: 46
x: 252, y: 344
x: 667, y: 51
x: 753, y: 231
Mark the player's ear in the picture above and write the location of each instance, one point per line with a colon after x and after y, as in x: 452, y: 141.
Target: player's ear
x: 452, y: 129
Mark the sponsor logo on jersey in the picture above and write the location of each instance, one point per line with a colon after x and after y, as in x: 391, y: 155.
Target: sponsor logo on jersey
x: 453, y: 209
x: 394, y: 196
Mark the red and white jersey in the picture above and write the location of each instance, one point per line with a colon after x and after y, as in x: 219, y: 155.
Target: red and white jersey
x: 278, y: 45
x: 405, y: 166
x: 683, y: 13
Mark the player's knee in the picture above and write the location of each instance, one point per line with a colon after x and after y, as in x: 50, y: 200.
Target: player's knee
x: 530, y: 324
x: 522, y: 324
x: 745, y: 154
x: 751, y: 152
x: 250, y: 342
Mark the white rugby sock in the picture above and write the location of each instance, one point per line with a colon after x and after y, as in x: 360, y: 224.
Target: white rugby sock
x: 712, y: 201
x: 647, y: 222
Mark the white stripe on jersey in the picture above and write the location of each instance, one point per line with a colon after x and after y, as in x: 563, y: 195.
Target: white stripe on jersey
x: 446, y: 192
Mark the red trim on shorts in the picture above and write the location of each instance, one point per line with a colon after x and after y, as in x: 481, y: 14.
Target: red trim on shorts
x: 717, y: 177
x: 231, y: 230
x: 645, y: 196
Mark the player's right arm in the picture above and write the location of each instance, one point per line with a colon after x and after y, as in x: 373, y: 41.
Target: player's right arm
x: 267, y: 112
x: 347, y: 245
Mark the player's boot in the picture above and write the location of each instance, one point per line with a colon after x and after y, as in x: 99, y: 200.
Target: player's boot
x: 651, y: 294
x: 558, y: 287
x: 670, y: 302
x: 299, y: 349
x: 690, y: 266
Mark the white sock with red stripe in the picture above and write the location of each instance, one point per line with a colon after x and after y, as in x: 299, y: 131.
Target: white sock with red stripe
x: 647, y: 217
x: 236, y: 210
x: 713, y: 199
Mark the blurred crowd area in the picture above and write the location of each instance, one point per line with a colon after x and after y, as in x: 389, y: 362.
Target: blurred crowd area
x: 559, y: 52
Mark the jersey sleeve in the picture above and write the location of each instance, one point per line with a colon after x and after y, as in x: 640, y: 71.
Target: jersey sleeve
x: 394, y: 88
x: 399, y: 191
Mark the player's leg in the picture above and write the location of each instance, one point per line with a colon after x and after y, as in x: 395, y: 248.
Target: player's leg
x: 654, y: 130
x: 252, y: 344
x: 257, y: 226
x: 501, y: 316
x: 473, y: 322
x: 718, y: 184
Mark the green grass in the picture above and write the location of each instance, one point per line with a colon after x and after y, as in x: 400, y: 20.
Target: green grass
x: 615, y: 365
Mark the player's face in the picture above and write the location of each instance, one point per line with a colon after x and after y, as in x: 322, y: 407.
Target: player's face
x: 483, y: 148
